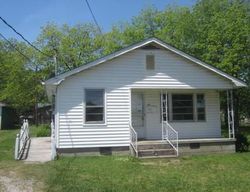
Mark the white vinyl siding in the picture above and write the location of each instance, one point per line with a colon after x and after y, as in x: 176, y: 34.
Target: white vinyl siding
x: 75, y: 133
x: 118, y: 77
x: 202, y: 129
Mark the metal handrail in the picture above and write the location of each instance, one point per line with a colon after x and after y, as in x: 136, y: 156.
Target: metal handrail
x: 171, y: 135
x: 133, y: 139
x: 21, y: 140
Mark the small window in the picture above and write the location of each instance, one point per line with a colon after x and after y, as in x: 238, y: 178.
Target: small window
x: 182, y: 107
x: 200, y: 105
x: 150, y: 62
x: 94, y: 109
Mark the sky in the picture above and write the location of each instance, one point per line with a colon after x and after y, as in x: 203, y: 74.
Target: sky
x: 28, y: 16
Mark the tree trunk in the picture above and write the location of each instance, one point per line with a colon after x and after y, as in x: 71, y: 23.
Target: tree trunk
x: 36, y: 113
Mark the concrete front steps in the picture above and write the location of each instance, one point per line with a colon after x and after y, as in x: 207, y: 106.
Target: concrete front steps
x: 155, y: 149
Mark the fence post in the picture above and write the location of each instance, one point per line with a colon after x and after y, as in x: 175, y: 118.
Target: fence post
x: 21, y: 139
x: 17, y: 146
x: 28, y: 130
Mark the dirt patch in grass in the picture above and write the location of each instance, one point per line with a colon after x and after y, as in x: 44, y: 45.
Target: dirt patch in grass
x: 161, y: 162
x: 12, y: 183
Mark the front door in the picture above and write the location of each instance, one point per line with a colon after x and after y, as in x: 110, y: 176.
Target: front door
x: 153, y: 114
x: 138, y: 114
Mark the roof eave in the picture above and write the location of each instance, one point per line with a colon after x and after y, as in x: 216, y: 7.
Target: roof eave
x: 239, y: 84
x: 58, y: 79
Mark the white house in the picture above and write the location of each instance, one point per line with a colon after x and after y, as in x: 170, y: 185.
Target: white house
x: 149, y: 97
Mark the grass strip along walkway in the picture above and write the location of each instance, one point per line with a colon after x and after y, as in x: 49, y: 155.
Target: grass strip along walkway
x: 223, y: 172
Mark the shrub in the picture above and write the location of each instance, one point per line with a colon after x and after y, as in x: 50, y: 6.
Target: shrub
x: 241, y: 143
x: 43, y: 131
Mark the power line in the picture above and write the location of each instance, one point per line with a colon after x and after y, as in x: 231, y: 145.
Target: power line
x: 94, y: 18
x: 33, y: 46
x: 5, y: 22
x: 14, y: 47
x: 20, y: 52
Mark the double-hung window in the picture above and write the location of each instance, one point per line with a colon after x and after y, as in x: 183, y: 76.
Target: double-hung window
x: 187, y: 107
x: 94, y: 105
x: 182, y: 107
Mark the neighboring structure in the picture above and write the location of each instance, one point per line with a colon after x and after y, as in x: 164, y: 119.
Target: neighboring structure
x: 245, y: 121
x: 44, y: 113
x: 167, y: 95
x: 8, y: 117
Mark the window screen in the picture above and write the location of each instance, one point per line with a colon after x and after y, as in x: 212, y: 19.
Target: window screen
x: 94, y: 109
x: 150, y: 62
x: 182, y: 107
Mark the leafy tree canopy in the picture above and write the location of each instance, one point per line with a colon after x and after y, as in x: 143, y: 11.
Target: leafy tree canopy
x: 217, y: 32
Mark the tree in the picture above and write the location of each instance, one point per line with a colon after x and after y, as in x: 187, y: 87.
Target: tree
x: 223, y: 32
x: 217, y: 32
x: 72, y: 46
x: 20, y: 78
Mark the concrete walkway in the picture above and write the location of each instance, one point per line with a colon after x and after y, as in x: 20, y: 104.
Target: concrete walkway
x: 39, y: 151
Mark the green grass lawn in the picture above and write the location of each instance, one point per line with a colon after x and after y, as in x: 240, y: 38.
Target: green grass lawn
x: 229, y: 172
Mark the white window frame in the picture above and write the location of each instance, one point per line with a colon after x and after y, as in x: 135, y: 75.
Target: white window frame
x: 205, y: 107
x: 195, y: 114
x: 94, y: 123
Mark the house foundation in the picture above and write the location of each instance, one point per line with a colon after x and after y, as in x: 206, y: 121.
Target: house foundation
x: 95, y: 151
x: 206, y: 146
